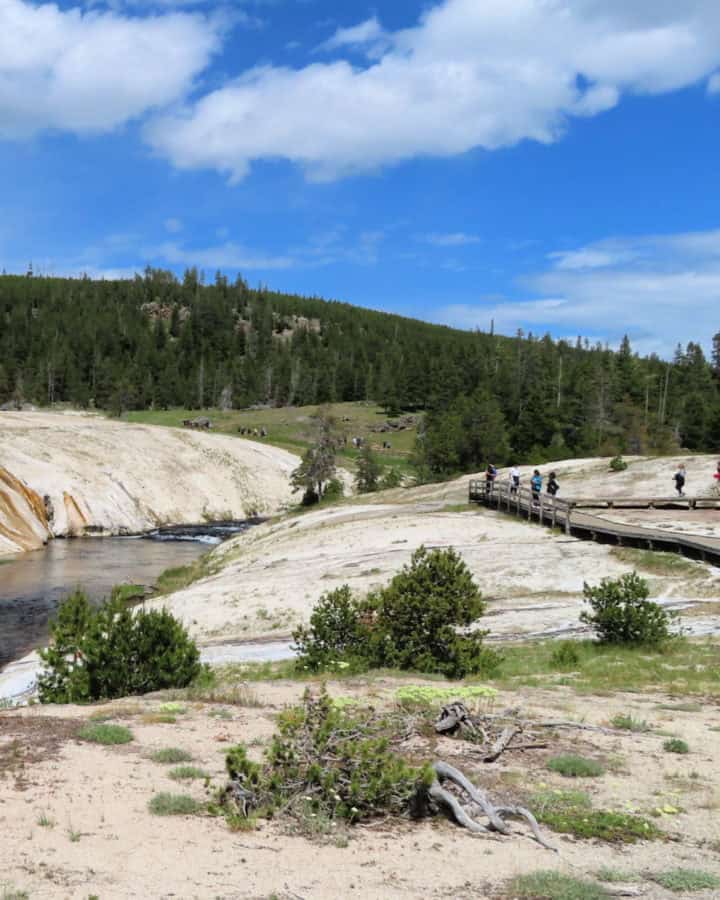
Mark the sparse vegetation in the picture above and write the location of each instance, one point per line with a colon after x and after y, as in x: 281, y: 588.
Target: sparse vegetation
x: 104, y: 733
x: 676, y: 745
x: 180, y: 577
x: 686, y: 880
x: 171, y: 755
x: 626, y: 722
x: 614, y: 876
x: 420, y: 621
x: 565, y: 656
x: 549, y: 885
x: 187, y: 773
x: 622, y: 614
x: 165, y: 804
x: 572, y: 766
x: 656, y: 562
x: 618, y: 464
x: 99, y: 654
x: 571, y: 812
x: 44, y: 821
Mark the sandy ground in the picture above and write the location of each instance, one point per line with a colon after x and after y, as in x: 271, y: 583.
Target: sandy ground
x: 113, y: 477
x: 100, y: 839
x: 269, y: 579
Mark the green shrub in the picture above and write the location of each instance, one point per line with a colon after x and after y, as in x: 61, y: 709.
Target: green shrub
x: 420, y: 622
x: 334, y: 490
x: 571, y: 766
x: 326, y: 761
x: 112, y: 652
x: 618, y: 464
x: 626, y: 722
x: 555, y: 886
x: 676, y: 745
x: 171, y: 755
x: 565, y: 656
x: 686, y: 880
x: 165, y: 804
x: 104, y: 733
x: 622, y: 614
x: 392, y: 478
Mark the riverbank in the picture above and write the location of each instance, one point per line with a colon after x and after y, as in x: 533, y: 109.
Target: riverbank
x: 75, y: 474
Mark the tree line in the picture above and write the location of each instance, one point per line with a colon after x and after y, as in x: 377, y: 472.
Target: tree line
x: 158, y: 341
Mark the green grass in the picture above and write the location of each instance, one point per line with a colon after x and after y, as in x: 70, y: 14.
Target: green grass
x: 676, y: 745
x: 103, y: 733
x: 292, y: 428
x: 9, y: 893
x: 658, y: 563
x: 44, y: 821
x: 548, y: 885
x: 686, y: 880
x: 171, y: 755
x: 187, y: 773
x: 626, y: 722
x: 179, y: 577
x: 165, y: 804
x: 128, y: 593
x: 571, y: 812
x: 682, y: 668
x: 571, y: 766
x: 614, y: 876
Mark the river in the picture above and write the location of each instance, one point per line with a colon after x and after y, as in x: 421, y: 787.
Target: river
x: 33, y: 584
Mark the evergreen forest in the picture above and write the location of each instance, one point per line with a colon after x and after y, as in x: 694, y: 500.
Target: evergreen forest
x: 158, y: 342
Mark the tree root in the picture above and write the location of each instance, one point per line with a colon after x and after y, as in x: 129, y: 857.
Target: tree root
x: 494, y: 815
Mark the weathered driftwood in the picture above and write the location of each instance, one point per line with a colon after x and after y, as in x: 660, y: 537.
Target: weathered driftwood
x: 481, y: 803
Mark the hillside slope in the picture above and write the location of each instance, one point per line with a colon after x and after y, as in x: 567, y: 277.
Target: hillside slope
x: 266, y: 581
x: 68, y: 474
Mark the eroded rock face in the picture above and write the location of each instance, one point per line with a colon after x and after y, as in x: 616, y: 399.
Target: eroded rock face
x: 69, y: 475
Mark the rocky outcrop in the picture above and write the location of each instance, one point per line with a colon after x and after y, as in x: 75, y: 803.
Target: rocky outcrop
x: 68, y: 475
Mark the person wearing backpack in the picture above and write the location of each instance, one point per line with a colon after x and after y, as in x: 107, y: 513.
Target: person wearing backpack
x: 536, y: 485
x: 553, y: 486
x: 490, y: 476
x: 679, y: 478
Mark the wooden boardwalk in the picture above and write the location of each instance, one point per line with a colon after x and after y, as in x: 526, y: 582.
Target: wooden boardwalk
x: 569, y: 515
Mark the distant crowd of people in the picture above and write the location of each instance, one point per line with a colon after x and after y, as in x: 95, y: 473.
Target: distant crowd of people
x: 552, y: 485
x: 536, y: 482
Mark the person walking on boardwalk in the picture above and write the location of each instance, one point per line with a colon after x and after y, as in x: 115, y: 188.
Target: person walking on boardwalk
x: 716, y: 478
x: 553, y: 486
x: 679, y: 478
x: 514, y: 479
x: 490, y: 476
x: 536, y: 485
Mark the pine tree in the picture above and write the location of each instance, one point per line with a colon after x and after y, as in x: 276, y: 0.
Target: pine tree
x: 369, y: 470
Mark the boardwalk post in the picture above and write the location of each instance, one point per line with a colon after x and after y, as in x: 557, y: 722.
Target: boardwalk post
x: 567, y: 519
x: 541, y: 517
x: 554, y: 512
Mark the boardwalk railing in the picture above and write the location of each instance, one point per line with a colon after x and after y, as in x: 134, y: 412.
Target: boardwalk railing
x: 569, y: 515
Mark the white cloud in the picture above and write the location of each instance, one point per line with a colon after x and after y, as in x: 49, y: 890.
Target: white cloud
x: 92, y: 71
x: 660, y: 290
x: 468, y: 75
x: 453, y: 239
x: 228, y: 255
x: 368, y: 35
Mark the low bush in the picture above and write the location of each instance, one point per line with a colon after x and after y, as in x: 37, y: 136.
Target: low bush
x: 104, y: 733
x: 571, y: 766
x: 421, y: 621
x: 165, y: 804
x: 682, y: 881
x: 618, y: 464
x: 622, y: 614
x: 676, y: 745
x: 626, y: 722
x: 325, y: 761
x: 171, y: 755
x: 100, y: 654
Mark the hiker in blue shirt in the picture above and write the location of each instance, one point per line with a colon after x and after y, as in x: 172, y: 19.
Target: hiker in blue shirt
x: 536, y: 485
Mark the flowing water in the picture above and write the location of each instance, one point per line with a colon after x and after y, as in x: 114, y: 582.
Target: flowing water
x: 33, y: 584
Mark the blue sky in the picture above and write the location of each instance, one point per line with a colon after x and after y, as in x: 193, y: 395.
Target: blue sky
x: 549, y: 164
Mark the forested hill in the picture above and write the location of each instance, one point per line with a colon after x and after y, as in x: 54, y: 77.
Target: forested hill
x: 156, y: 341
